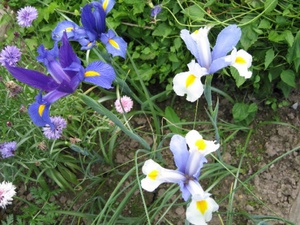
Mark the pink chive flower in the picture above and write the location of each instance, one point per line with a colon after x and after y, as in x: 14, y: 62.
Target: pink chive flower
x: 10, y: 55
x: 123, y: 104
x: 26, y: 16
x: 7, y: 191
x: 59, y: 124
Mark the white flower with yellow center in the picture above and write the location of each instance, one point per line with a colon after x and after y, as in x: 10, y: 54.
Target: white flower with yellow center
x: 201, y: 208
x: 189, y: 83
x: 241, y: 60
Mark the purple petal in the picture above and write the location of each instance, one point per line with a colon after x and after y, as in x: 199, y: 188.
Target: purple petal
x: 190, y: 43
x: 218, y: 64
x: 39, y: 113
x: 44, y: 53
x: 66, y: 54
x: 114, y: 45
x: 195, y: 163
x: 93, y: 19
x: 185, y: 192
x: 179, y: 149
x: 107, y: 5
x: 226, y: 40
x: 33, y: 78
x: 53, y: 96
x: 64, y: 26
x: 100, y: 73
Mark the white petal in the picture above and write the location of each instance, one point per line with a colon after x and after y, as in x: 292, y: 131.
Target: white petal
x: 191, y: 137
x: 195, y: 89
x: 157, y: 175
x: 241, y: 60
x: 194, y: 215
x: 201, y: 38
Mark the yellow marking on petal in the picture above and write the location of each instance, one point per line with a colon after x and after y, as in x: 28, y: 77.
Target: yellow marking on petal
x: 89, y: 44
x: 202, y: 206
x: 69, y: 29
x: 190, y: 80
x: 153, y: 174
x: 201, y: 144
x: 240, y: 60
x: 91, y: 73
x: 196, y: 32
x: 41, y: 109
x: 105, y: 3
x: 114, y: 44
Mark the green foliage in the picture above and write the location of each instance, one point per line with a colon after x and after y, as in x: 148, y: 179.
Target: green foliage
x: 244, y: 113
x: 42, y: 211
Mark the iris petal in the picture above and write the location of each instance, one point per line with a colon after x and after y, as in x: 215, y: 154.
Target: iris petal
x: 218, y: 64
x: 107, y: 5
x: 190, y: 43
x: 33, y: 78
x: 179, y: 149
x: 68, y: 58
x: 39, y: 113
x: 226, y: 40
x: 64, y: 26
x: 114, y: 45
x: 104, y: 74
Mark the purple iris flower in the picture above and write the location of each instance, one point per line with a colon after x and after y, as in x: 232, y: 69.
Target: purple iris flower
x: 66, y: 74
x: 93, y: 17
x: 93, y: 20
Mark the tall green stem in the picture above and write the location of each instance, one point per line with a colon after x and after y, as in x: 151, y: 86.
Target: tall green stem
x: 213, y: 113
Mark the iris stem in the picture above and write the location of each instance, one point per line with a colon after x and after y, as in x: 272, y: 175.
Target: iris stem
x: 212, y: 113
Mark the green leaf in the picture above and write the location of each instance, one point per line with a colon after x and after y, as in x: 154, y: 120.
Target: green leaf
x: 289, y: 37
x: 173, y: 120
x: 194, y: 12
x: 264, y: 24
x: 270, y: 5
x: 244, y: 113
x: 162, y: 30
x: 269, y: 57
x: 286, y: 89
x: 104, y: 111
x: 239, y: 80
x: 288, y: 77
x: 294, y: 52
x: 249, y: 36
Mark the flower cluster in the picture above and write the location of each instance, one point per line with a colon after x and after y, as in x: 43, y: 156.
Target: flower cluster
x: 189, y: 163
x: 7, y: 191
x: 209, y: 62
x: 10, y: 55
x: 7, y: 149
x: 66, y: 73
x: 59, y: 124
x: 123, y: 104
x: 93, y: 28
x: 26, y: 16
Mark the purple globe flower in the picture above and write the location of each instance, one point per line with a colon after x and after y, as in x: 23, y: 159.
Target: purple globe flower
x: 7, y: 149
x: 59, y: 124
x: 26, y: 15
x: 10, y: 55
